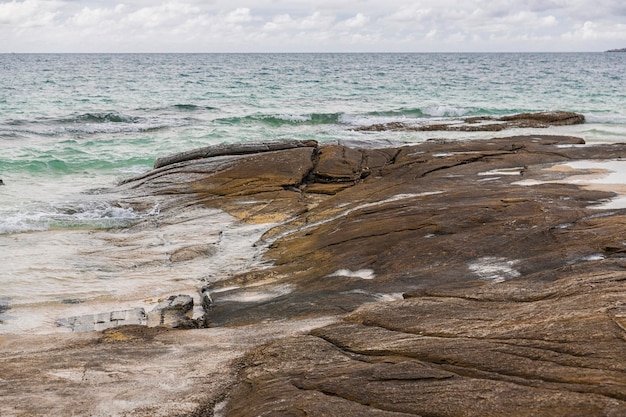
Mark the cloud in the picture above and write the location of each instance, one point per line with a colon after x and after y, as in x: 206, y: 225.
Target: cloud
x: 592, y: 31
x: 239, y: 15
x: 299, y: 25
x: 162, y: 16
x: 93, y: 17
x: 358, y: 21
x: 408, y: 15
x: 29, y: 13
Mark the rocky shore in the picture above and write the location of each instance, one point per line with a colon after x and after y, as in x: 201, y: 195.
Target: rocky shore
x: 445, y: 278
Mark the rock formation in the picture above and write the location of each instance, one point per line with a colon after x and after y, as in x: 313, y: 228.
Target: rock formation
x: 477, y: 281
x: 450, y: 278
x: 484, y: 123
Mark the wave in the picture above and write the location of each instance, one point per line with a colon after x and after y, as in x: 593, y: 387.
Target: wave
x: 111, y: 117
x: 370, y: 117
x: 71, y: 160
x: 190, y: 107
x: 114, y: 122
x: 67, y: 215
x: 442, y: 111
x: 277, y: 120
x: 420, y: 112
x: 605, y: 118
x: 91, y: 123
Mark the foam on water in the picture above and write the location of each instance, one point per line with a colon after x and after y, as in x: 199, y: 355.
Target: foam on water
x: 69, y: 215
x: 56, y: 274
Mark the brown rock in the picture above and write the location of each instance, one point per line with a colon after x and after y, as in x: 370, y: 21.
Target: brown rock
x: 465, y: 293
x: 485, y: 123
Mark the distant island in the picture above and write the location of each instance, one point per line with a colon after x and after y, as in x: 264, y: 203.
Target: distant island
x: 617, y: 50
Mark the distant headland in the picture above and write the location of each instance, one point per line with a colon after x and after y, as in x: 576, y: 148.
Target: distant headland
x: 617, y: 50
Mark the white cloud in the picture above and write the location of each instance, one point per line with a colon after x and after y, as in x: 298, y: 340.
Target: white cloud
x: 357, y: 21
x: 93, y: 17
x: 28, y: 13
x: 280, y: 22
x: 299, y: 25
x: 592, y: 31
x: 162, y: 16
x: 317, y: 20
x: 239, y: 15
x: 411, y: 14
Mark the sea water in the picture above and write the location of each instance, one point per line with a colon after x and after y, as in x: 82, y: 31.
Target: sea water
x: 73, y: 126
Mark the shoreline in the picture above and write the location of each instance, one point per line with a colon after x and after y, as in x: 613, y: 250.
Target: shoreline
x: 412, y: 267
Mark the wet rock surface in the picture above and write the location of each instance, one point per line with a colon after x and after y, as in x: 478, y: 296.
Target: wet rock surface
x: 485, y: 123
x: 448, y: 278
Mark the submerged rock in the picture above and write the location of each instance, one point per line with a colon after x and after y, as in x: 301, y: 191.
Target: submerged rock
x: 485, y: 123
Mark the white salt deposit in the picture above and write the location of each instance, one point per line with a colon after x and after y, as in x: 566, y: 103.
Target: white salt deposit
x: 594, y: 257
x: 503, y: 171
x: 594, y: 175
x: 257, y: 295
x: 494, y: 269
x: 361, y: 273
x: 344, y: 213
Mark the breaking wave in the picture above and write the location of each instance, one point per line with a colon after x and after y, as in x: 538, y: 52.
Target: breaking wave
x: 66, y: 215
x: 91, y: 123
x: 277, y: 120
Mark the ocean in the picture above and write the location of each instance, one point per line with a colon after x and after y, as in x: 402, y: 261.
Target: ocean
x: 73, y: 126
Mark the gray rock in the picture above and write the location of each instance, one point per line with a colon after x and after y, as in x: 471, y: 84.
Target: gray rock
x: 207, y: 300
x: 4, y: 306
x: 102, y: 321
x: 232, y: 149
x: 171, y: 312
x: 188, y: 253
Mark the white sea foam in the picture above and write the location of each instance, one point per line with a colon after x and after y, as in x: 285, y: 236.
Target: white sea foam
x: 54, y: 274
x: 441, y: 111
x: 41, y: 216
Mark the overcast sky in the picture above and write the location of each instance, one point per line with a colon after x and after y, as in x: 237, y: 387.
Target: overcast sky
x: 311, y: 26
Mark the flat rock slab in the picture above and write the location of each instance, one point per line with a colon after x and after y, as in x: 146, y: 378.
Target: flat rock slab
x: 470, y: 278
x: 557, y: 351
x: 102, y: 321
x: 479, y: 280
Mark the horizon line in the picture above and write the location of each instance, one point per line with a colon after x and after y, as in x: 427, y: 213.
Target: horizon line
x: 308, y: 52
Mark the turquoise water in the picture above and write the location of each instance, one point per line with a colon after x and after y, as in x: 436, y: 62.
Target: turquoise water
x: 72, y: 126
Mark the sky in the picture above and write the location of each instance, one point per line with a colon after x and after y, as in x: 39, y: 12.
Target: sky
x: 312, y: 26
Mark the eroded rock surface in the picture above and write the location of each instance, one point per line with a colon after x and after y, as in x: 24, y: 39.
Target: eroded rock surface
x: 459, y: 279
